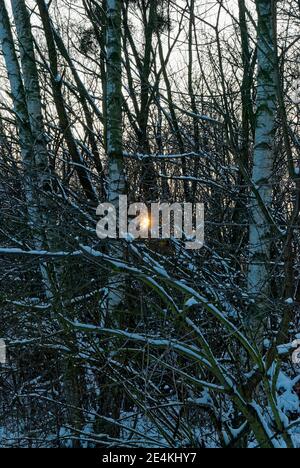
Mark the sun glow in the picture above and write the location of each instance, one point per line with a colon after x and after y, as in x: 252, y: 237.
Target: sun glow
x: 145, y: 223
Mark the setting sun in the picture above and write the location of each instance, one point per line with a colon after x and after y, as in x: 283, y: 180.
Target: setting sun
x: 145, y: 223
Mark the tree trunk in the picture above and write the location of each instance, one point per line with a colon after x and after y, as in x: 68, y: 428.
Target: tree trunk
x: 114, y: 304
x: 32, y: 90
x: 260, y: 229
x: 114, y: 137
x: 29, y: 146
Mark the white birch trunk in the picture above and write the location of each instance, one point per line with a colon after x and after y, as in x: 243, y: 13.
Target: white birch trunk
x: 38, y: 174
x: 32, y: 90
x: 19, y: 105
x: 116, y: 187
x: 26, y: 137
x: 28, y: 110
x: 260, y: 230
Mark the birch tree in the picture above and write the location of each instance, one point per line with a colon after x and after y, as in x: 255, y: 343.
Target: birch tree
x: 114, y: 133
x: 32, y: 90
x: 31, y: 136
x: 263, y: 157
x: 167, y: 359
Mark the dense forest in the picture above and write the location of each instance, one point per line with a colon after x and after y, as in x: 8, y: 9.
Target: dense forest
x: 139, y: 341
